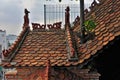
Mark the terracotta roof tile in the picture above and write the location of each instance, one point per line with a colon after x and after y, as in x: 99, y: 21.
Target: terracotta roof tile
x: 87, y: 56
x: 40, y: 46
x: 30, y: 55
x: 108, y: 27
x: 82, y: 56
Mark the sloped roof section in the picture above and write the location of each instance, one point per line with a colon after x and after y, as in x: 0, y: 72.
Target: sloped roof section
x: 107, y: 17
x: 40, y: 46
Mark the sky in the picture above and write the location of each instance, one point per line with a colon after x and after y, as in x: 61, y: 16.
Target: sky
x: 12, y: 12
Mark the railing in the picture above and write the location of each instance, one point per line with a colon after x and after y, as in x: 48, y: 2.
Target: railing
x: 56, y: 13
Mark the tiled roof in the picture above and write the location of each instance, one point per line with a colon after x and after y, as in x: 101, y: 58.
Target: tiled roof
x: 107, y: 16
x: 40, y: 46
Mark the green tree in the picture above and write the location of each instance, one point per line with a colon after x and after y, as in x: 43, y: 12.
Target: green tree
x: 89, y: 25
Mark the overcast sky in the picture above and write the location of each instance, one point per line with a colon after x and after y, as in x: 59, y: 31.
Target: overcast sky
x: 12, y: 12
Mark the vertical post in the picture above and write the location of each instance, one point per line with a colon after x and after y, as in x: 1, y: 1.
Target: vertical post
x: 44, y: 14
x: 82, y: 21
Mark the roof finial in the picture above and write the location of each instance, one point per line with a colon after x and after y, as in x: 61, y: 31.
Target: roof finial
x: 67, y: 16
x: 26, y: 19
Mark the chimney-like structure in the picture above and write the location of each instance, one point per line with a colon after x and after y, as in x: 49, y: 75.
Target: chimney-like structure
x: 82, y: 28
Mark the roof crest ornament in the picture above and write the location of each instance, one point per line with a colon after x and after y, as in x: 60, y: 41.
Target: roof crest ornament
x: 26, y: 18
x: 54, y: 26
x: 94, y: 3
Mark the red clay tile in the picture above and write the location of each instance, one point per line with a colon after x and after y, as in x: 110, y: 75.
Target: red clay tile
x: 40, y: 46
x: 34, y: 63
x: 87, y: 56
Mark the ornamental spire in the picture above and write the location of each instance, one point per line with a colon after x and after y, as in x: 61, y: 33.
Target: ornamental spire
x: 26, y: 18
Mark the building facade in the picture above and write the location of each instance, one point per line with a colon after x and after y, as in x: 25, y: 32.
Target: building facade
x: 3, y: 46
x: 3, y: 41
x: 11, y: 39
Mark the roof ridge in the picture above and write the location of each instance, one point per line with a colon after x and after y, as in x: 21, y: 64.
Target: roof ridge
x: 48, y: 30
x: 72, y: 54
x: 43, y: 27
x: 11, y: 51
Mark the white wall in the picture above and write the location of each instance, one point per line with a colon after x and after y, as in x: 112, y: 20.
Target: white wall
x: 3, y: 44
x: 3, y: 40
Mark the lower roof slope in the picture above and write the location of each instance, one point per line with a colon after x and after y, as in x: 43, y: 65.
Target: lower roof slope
x: 107, y: 16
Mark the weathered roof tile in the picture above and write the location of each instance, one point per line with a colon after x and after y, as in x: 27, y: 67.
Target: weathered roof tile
x: 40, y: 46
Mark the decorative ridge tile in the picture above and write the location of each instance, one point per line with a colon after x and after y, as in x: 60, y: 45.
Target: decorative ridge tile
x: 72, y: 54
x: 13, y: 48
x: 11, y: 51
x: 38, y: 27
